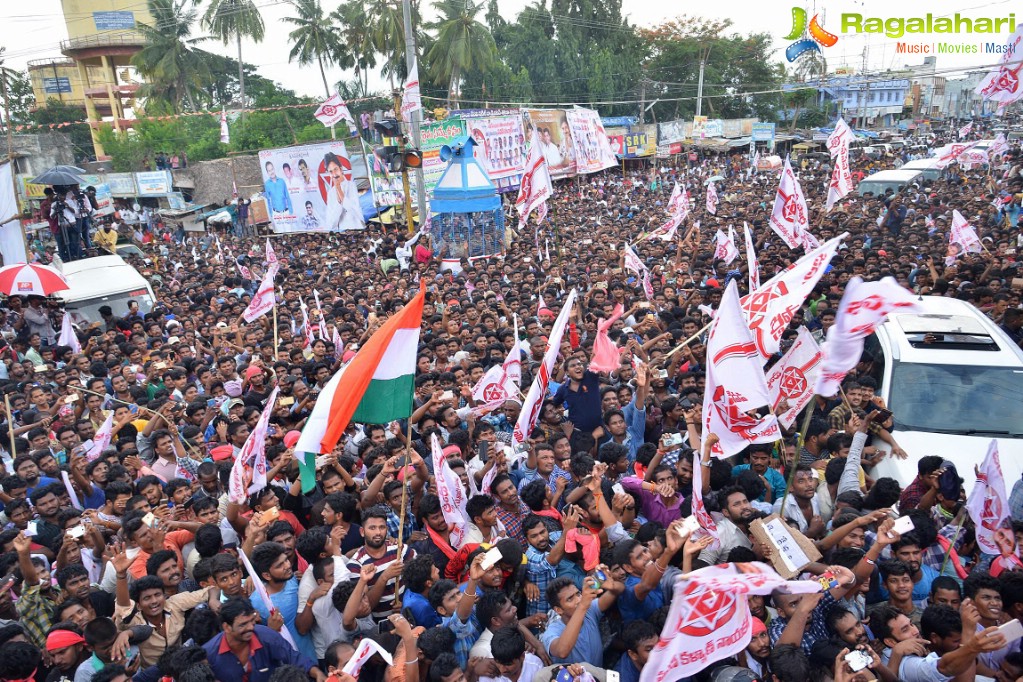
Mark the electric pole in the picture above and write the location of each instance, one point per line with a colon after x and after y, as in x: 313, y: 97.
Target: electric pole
x: 699, y: 84
x: 417, y: 115
x: 865, y: 90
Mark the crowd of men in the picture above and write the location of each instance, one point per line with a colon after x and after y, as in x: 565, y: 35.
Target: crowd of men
x: 130, y: 561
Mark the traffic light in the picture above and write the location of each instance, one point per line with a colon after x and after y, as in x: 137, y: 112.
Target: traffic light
x: 397, y: 160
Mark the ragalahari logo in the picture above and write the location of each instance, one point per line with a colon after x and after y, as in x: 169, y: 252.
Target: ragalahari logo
x: 818, y: 36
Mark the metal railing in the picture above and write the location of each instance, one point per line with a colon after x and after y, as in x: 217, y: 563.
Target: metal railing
x: 59, y: 62
x: 127, y: 38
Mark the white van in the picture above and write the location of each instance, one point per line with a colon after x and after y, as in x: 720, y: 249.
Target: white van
x: 953, y: 381
x: 884, y: 180
x: 100, y: 281
x: 927, y: 167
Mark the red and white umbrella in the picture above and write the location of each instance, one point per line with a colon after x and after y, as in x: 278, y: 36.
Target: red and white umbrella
x: 26, y: 279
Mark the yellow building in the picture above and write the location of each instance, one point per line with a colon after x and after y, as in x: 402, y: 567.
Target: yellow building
x: 97, y: 72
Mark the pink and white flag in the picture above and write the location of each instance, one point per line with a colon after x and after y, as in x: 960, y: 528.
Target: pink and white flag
x: 712, y: 198
x: 841, y: 175
x: 411, y: 99
x: 950, y: 153
x: 307, y: 329
x: 225, y: 131
x: 260, y: 589
x: 367, y: 647
x: 535, y: 187
x: 709, y: 618
x: 707, y: 525
x: 966, y: 130
x: 675, y: 203
x: 1002, y: 84
x: 666, y: 231
x: 793, y: 377
x: 248, y: 474
x: 988, y: 504
x: 451, y: 493
x: 243, y: 271
x: 533, y: 403
x: 725, y: 248
x: 333, y: 111
x: 101, y: 441
x: 751, y: 260
x: 271, y: 255
x: 263, y: 300
x: 789, y: 217
x: 770, y: 308
x: 998, y: 147
x: 735, y: 383
x: 962, y: 238
x: 68, y: 337
x: 864, y: 307
x: 632, y: 261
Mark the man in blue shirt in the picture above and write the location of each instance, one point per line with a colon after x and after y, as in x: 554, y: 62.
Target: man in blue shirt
x: 247, y: 651
x: 643, y: 595
x: 760, y: 463
x: 639, y: 638
x: 276, y: 191
x: 418, y: 576
x: 574, y: 636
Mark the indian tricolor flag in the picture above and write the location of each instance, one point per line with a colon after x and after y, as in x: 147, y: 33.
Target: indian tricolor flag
x: 374, y: 388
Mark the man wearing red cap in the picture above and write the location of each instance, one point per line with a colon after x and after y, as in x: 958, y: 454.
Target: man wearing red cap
x: 67, y: 650
x: 758, y: 651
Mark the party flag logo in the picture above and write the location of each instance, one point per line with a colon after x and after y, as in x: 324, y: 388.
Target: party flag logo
x: 818, y: 36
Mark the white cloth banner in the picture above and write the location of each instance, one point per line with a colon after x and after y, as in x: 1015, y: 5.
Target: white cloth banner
x: 263, y: 300
x: 1002, y: 84
x: 793, y: 377
x: 709, y: 618
x: 451, y: 493
x: 988, y: 504
x: 864, y: 307
x: 789, y: 218
x: 751, y: 260
x: 725, y: 248
x: 12, y: 241
x: 535, y: 187
x: 962, y: 238
x: 841, y: 175
x: 735, y: 383
x: 367, y: 647
x: 333, y: 111
x: 68, y: 336
x: 411, y: 99
x: 712, y: 198
x: 101, y: 441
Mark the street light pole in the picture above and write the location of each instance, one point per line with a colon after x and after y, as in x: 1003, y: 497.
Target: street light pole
x: 417, y: 115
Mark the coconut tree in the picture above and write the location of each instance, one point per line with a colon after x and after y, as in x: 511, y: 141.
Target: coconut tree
x: 357, y: 41
x: 463, y: 43
x: 315, y: 38
x: 173, y: 68
x: 228, y: 19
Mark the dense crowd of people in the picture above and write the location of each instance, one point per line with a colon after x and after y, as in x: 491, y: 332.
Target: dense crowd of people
x: 130, y: 560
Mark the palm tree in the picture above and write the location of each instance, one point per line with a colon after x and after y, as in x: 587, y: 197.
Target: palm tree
x: 235, y: 18
x: 356, y: 39
x: 174, y: 70
x: 316, y: 38
x: 387, y: 34
x: 463, y: 43
x: 812, y: 66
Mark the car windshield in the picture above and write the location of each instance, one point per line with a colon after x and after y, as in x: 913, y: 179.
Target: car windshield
x: 957, y: 399
x: 87, y: 310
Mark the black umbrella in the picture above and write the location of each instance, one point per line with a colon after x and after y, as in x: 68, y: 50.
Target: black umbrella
x: 60, y: 175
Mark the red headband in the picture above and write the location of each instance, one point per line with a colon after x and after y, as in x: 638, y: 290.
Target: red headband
x: 61, y: 639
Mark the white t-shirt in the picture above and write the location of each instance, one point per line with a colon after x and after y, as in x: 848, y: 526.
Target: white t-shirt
x: 326, y: 619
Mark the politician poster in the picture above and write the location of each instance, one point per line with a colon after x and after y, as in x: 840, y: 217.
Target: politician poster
x: 311, y: 188
x: 556, y: 138
x: 592, y: 151
x: 433, y: 137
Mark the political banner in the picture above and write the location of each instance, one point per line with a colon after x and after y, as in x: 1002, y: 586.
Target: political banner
x: 500, y: 145
x: 555, y: 139
x: 433, y: 136
x: 793, y: 377
x: 311, y: 188
x: 593, y: 153
x: 388, y: 189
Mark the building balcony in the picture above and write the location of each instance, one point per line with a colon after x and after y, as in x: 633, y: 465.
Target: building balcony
x: 99, y: 90
x: 94, y: 46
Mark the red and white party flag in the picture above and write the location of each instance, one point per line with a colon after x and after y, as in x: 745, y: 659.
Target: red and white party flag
x: 633, y: 261
x: 712, y: 198
x: 538, y: 390
x: 451, y: 493
x: 1002, y: 84
x: 770, y: 308
x: 411, y: 99
x: 709, y: 618
x: 864, y: 307
x: 793, y: 377
x: 998, y: 147
x: 841, y: 175
x: 962, y: 238
x: 333, y: 111
x: 535, y: 187
x: 735, y: 383
x: 951, y: 153
x: 68, y: 337
x: 789, y: 217
x: 707, y: 525
x: 260, y: 589
x: 271, y: 255
x: 725, y: 248
x: 988, y: 504
x: 263, y: 300
x: 367, y: 647
x: 751, y: 259
x: 966, y: 130
x: 248, y: 475
x: 101, y: 441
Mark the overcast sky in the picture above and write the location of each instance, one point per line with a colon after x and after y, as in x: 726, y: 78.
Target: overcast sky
x: 34, y: 31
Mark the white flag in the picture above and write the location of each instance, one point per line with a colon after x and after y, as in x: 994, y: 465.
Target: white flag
x: 411, y: 100
x: 966, y: 130
x: 951, y: 152
x: 333, y: 111
x: 988, y: 504
x: 535, y: 186
x: 101, y: 441
x: 260, y: 588
x: 753, y: 164
x: 1002, y: 84
x: 367, y: 647
x: 709, y: 618
x: 841, y: 174
x: 451, y: 493
x: 962, y: 238
x: 735, y: 383
x: 319, y: 316
x: 676, y: 202
x: 725, y: 248
x: 263, y: 300
x: 998, y: 147
x: 225, y: 132
x: 864, y: 307
x: 538, y: 390
x: 666, y: 231
x: 68, y: 336
x: 632, y: 261
x: 789, y: 217
x: 770, y: 308
x: 712, y: 198
x: 271, y: 255
x: 793, y: 377
x: 707, y: 525
x: 248, y: 474
x: 751, y: 259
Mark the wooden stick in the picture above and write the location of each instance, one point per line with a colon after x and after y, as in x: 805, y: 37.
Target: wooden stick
x: 959, y: 519
x: 276, y: 341
x: 799, y: 449
x: 684, y: 343
x: 401, y: 516
x: 10, y: 424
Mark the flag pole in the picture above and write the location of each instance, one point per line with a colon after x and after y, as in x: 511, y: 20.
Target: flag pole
x: 959, y: 519
x: 799, y: 448
x: 686, y: 342
x: 276, y: 342
x: 10, y: 423
x: 401, y: 515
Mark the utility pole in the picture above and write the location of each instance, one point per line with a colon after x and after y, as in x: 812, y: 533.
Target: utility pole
x: 699, y: 84
x: 865, y: 90
x: 404, y: 170
x: 642, y: 98
x: 417, y: 117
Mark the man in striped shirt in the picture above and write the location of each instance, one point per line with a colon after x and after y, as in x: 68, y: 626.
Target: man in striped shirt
x: 384, y: 557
